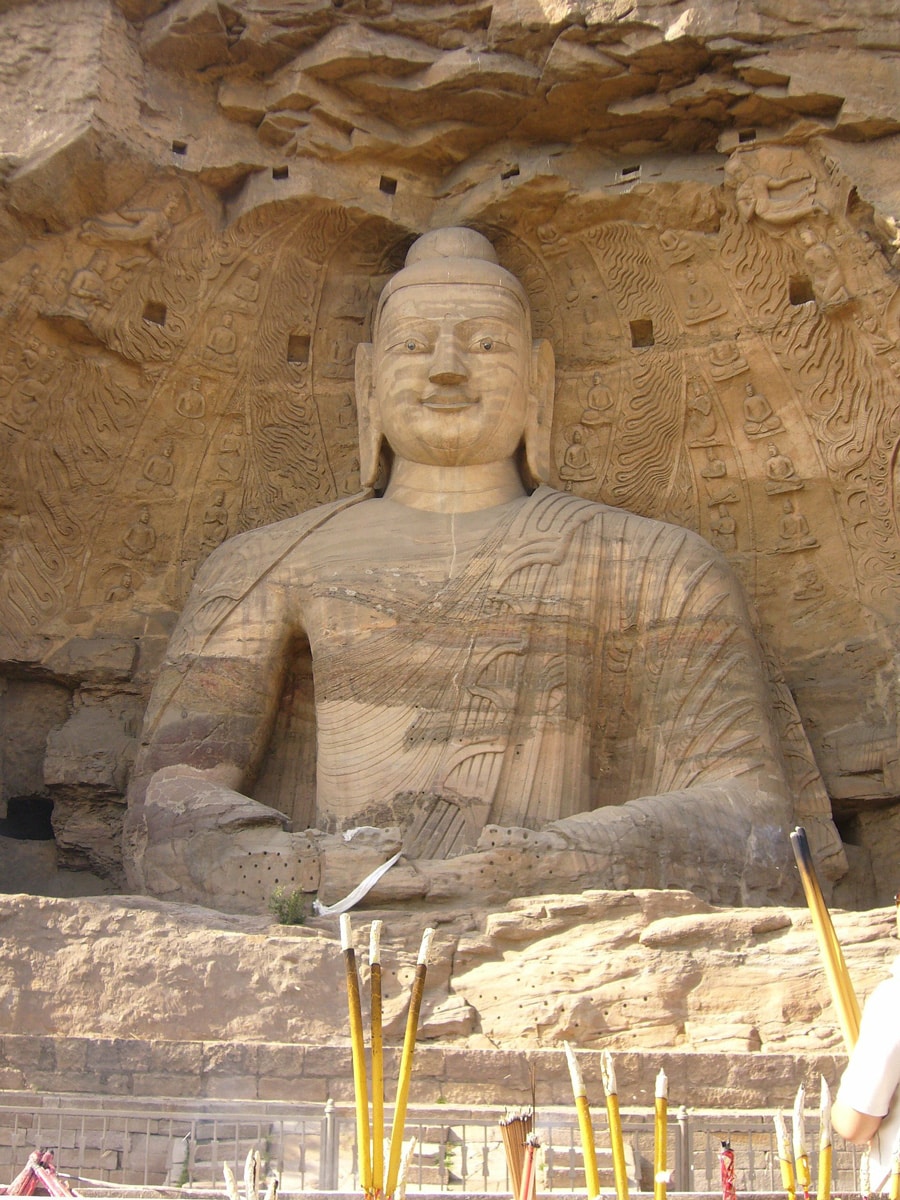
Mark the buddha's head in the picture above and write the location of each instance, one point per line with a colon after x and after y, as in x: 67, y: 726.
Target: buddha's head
x: 452, y: 376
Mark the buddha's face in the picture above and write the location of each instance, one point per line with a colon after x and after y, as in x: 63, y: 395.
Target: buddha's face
x: 451, y: 373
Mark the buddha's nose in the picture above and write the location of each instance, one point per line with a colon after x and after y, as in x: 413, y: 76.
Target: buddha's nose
x: 447, y: 363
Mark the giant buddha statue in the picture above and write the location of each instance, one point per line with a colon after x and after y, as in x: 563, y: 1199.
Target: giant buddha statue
x: 512, y: 688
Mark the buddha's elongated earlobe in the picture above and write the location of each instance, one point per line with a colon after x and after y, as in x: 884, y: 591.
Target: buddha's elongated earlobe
x: 540, y: 412
x: 370, y: 434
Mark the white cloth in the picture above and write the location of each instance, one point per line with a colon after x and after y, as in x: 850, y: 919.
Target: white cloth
x: 871, y: 1082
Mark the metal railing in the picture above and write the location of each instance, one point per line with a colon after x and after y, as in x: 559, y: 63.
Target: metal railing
x: 313, y: 1147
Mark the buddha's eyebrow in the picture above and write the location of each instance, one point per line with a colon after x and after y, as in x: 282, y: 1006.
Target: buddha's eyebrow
x: 488, y: 320
x: 465, y: 325
x: 394, y: 325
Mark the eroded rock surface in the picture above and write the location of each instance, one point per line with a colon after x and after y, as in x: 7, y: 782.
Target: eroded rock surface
x: 199, y: 203
x: 622, y: 970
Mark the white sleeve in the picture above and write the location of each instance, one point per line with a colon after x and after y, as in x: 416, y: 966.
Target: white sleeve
x: 873, y: 1073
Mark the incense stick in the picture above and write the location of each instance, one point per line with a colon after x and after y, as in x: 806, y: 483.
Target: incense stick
x: 586, y: 1128
x: 252, y: 1173
x: 784, y: 1156
x: 405, y: 1166
x: 801, y: 1154
x: 377, y: 1058
x: 406, y: 1059
x: 842, y: 993
x: 823, y: 1183
x: 357, y: 1046
x: 608, y: 1072
x: 660, y: 1176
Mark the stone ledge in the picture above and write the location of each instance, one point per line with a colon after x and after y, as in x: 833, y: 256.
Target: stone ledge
x: 266, y: 1071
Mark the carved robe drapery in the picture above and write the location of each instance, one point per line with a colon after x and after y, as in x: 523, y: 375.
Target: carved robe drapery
x: 517, y: 666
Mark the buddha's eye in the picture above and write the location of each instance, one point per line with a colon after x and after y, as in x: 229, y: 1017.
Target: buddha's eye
x: 486, y: 344
x: 412, y: 344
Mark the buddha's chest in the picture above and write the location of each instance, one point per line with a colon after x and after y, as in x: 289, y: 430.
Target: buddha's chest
x: 420, y: 578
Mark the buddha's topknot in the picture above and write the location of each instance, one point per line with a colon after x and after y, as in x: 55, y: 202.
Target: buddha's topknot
x: 454, y: 256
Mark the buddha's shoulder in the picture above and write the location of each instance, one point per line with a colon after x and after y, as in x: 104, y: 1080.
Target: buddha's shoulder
x: 244, y: 558
x: 631, y: 533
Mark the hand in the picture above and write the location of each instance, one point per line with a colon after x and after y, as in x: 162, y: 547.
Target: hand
x: 345, y: 861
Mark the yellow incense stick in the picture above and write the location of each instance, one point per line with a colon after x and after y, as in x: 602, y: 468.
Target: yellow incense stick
x: 608, y: 1071
x: 377, y: 1059
x: 357, y: 1046
x: 406, y: 1061
x: 660, y: 1148
x: 784, y: 1156
x: 823, y: 1183
x: 801, y: 1154
x: 586, y: 1128
x: 842, y: 993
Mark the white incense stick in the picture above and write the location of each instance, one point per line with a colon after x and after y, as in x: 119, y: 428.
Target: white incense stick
x: 374, y: 942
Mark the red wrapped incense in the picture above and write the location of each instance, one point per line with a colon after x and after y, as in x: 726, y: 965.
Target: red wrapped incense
x: 726, y: 1170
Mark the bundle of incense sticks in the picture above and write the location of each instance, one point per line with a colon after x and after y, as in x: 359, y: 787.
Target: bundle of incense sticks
x: 370, y: 1141
x: 515, y: 1127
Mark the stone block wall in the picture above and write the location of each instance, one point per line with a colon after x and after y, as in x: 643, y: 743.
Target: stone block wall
x: 262, y: 1071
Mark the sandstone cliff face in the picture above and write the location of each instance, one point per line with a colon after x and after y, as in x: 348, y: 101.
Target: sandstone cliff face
x: 200, y: 201
x: 642, y: 970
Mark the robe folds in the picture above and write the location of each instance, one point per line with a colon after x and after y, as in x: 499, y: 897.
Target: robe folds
x: 365, y: 664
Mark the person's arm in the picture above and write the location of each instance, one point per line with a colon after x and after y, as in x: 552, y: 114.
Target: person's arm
x: 855, y: 1126
x: 873, y: 1072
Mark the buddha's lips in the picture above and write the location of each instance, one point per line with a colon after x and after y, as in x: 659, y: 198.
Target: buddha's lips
x: 448, y: 401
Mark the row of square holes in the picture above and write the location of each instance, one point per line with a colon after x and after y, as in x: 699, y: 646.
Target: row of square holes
x: 386, y: 184
x: 799, y: 292
x: 389, y: 186
x: 800, y: 289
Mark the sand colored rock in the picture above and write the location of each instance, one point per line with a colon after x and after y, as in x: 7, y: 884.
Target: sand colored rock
x: 199, y: 205
x: 622, y: 970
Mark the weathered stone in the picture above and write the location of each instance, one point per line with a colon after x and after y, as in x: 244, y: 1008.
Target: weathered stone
x: 88, y: 835
x: 114, y: 969
x: 454, y: 1018
x: 29, y: 713
x: 453, y: 723
x: 154, y: 154
x: 97, y: 660
x: 95, y: 748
